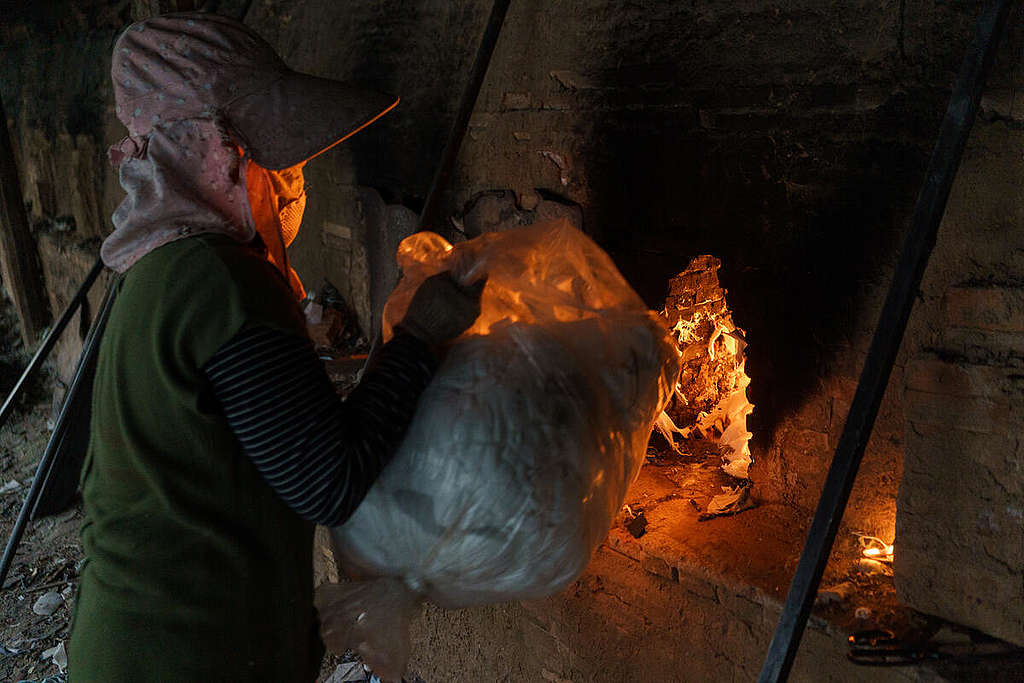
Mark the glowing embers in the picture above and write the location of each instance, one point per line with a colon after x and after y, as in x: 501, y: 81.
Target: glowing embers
x: 710, y: 405
x: 874, y: 556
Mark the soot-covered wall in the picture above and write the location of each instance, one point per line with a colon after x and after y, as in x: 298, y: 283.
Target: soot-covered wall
x: 786, y: 138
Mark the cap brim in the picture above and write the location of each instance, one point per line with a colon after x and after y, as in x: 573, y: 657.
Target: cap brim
x: 299, y: 116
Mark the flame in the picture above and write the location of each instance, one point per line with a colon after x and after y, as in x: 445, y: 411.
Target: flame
x: 726, y: 422
x: 875, y: 548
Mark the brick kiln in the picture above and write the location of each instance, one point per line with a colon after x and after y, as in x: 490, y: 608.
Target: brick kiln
x: 756, y: 161
x: 705, y: 425
x: 704, y: 550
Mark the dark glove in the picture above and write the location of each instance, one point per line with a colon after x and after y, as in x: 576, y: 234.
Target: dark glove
x: 442, y: 309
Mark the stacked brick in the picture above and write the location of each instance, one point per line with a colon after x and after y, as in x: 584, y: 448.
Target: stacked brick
x: 960, y: 521
x: 696, y: 303
x: 711, y: 398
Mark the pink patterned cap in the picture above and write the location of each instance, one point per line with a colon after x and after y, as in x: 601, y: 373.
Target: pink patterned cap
x: 195, y: 65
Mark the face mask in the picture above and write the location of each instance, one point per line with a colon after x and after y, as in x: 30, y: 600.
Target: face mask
x: 290, y: 218
x: 277, y: 200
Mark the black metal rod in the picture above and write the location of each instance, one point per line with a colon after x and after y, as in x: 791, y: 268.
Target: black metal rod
x: 931, y: 204
x: 51, y: 338
x: 60, y: 428
x: 431, y: 206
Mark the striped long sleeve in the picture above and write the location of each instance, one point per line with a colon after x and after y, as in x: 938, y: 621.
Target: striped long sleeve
x: 319, y: 453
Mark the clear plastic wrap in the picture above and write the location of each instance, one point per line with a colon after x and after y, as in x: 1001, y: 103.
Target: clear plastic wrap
x: 523, y: 445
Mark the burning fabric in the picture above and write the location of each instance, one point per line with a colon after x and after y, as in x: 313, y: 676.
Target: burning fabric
x: 523, y: 446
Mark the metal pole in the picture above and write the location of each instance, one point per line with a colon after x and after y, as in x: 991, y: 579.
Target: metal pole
x: 431, y: 206
x: 931, y: 204
x: 51, y: 338
x: 53, y: 445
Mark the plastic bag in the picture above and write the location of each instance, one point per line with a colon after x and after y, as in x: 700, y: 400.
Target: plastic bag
x: 523, y: 445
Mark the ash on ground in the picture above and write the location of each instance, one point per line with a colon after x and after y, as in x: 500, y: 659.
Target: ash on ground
x: 695, y: 466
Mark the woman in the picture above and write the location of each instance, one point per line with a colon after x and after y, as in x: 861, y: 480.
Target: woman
x: 217, y: 440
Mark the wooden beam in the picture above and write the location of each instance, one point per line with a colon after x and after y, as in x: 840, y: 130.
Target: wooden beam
x: 19, y: 260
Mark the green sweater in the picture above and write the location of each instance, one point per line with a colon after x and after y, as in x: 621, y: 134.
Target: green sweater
x: 195, y: 570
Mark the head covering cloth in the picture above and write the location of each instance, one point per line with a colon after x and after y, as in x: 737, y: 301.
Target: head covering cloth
x: 219, y: 128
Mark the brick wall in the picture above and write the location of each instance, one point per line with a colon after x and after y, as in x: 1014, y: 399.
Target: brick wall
x: 960, y: 520
x: 786, y: 138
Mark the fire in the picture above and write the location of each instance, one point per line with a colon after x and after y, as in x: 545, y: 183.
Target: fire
x: 711, y: 395
x: 875, y: 548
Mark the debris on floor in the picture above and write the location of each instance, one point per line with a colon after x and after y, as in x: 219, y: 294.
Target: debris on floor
x: 636, y: 522
x: 58, y: 655
x: 348, y: 671
x: 837, y: 593
x: 47, y: 603
x: 732, y: 500
x: 37, y: 596
x: 9, y: 487
x: 332, y: 324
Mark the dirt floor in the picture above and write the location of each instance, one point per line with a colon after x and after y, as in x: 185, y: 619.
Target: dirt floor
x: 48, y: 558
x: 43, y: 575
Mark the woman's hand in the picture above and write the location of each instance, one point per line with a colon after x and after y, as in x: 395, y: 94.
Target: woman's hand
x: 442, y: 309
